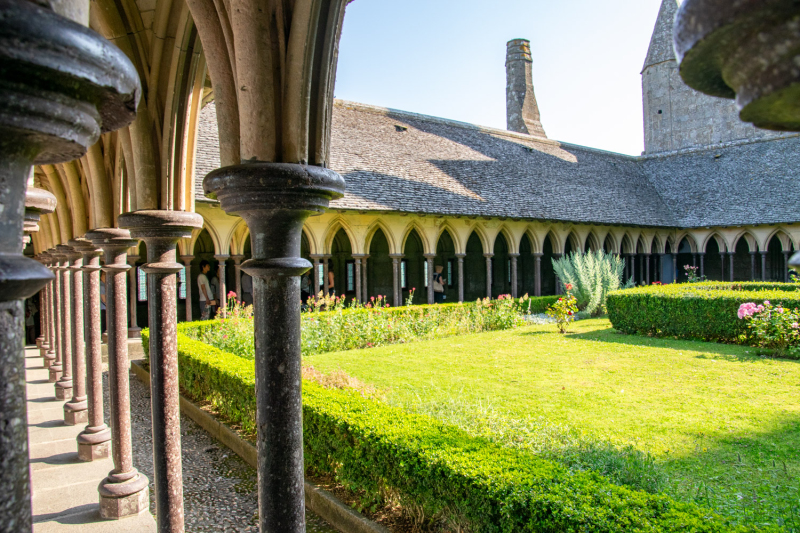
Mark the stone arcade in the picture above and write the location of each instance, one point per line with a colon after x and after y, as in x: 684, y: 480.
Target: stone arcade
x: 120, y: 138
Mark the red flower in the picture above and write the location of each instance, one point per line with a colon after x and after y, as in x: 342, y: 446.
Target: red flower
x: 568, y: 286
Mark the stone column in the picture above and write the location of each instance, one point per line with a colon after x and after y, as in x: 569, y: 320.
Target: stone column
x: 722, y: 265
x: 460, y: 258
x: 41, y: 340
x: 633, y: 267
x: 161, y: 231
x: 488, y: 274
x: 647, y: 268
x: 52, y: 320
x: 315, y: 278
x: 237, y: 266
x: 63, y: 85
x: 398, y: 289
x: 357, y: 275
x: 223, y: 289
x: 702, y: 263
x: 753, y: 266
x: 674, y: 267
x: 786, y: 266
x: 274, y: 199
x: 64, y: 384
x: 537, y: 280
x: 429, y: 282
x: 134, y: 331
x: 124, y: 492
x: 514, y: 288
x: 76, y: 410
x: 694, y: 259
x: 763, y: 266
x: 57, y: 366
x: 324, y: 274
x: 364, y: 287
x: 730, y: 259
x: 48, y: 346
x: 94, y: 442
x: 559, y: 285
x: 187, y: 263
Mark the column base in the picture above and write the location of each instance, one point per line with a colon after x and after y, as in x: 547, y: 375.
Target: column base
x: 94, y: 443
x: 134, y: 333
x: 63, y: 392
x: 121, y: 500
x: 55, y: 372
x: 76, y: 413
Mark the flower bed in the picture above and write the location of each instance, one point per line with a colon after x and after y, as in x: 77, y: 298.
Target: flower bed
x: 468, y: 482
x: 706, y: 311
x: 347, y: 328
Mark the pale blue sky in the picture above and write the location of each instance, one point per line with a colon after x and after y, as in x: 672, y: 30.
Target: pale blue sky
x: 447, y: 58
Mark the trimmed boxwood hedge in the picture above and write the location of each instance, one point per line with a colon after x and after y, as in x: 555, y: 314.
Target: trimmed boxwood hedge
x: 472, y: 482
x: 705, y: 311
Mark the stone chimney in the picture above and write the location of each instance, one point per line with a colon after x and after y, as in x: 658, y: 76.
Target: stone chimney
x: 522, y: 112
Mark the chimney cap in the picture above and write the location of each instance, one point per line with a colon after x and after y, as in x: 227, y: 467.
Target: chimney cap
x: 518, y: 50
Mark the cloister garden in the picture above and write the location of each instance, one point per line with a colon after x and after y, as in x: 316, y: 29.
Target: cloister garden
x: 660, y: 408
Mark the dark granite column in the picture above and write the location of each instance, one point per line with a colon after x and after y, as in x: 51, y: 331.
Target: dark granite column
x: 161, y: 230
x: 674, y: 267
x: 647, y: 268
x: 763, y: 266
x: 429, y: 281
x: 315, y: 277
x: 187, y: 263
x: 722, y: 256
x: 64, y: 384
x: 537, y: 280
x: 325, y: 289
x: 223, y: 287
x: 633, y: 267
x: 48, y: 345
x: 62, y: 86
x: 42, y: 341
x: 559, y: 285
x: 364, y: 287
x: 786, y: 266
x: 397, y: 297
x: 237, y: 267
x: 275, y: 199
x: 76, y: 410
x: 702, y: 264
x: 460, y: 258
x: 134, y: 331
x: 488, y: 274
x: 94, y: 442
x: 124, y: 492
x: 694, y: 259
x: 730, y: 260
x: 514, y: 277
x: 753, y: 266
x: 50, y: 357
x: 357, y: 274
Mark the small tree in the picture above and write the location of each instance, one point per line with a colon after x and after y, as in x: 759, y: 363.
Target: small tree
x: 592, y: 276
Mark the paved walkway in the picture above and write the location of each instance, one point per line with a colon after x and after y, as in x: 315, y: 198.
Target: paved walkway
x: 64, y: 489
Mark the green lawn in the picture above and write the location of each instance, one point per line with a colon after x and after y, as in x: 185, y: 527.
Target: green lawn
x: 722, y: 423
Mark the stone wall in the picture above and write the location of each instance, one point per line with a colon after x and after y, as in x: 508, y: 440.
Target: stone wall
x: 678, y: 117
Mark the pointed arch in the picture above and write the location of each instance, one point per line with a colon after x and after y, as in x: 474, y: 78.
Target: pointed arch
x: 423, y: 237
x: 610, y: 244
x: 330, y: 233
x: 718, y: 238
x: 752, y: 243
x: 511, y: 241
x: 657, y: 244
x: 536, y: 246
x: 592, y: 242
x: 482, y: 236
x: 690, y: 239
x: 454, y: 236
x: 783, y: 237
x: 373, y: 228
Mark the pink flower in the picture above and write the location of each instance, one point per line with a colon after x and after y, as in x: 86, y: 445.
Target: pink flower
x: 231, y: 294
x: 795, y: 325
x: 766, y: 302
x: 568, y: 286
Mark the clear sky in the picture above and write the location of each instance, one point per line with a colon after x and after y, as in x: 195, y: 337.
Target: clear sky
x: 447, y: 58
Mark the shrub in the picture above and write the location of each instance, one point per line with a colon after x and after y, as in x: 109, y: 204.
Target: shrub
x: 347, y: 328
x: 593, y: 275
x: 564, y: 310
x: 706, y: 311
x: 773, y: 326
x: 469, y: 482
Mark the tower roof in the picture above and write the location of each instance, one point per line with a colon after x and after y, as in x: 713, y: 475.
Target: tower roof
x: 661, y: 48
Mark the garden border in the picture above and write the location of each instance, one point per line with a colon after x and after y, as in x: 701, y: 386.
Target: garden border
x: 320, y: 501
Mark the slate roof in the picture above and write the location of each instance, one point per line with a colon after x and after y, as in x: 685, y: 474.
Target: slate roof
x: 404, y: 162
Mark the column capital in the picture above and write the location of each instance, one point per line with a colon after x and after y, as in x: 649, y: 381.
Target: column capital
x: 132, y: 259
x: 160, y: 230
x: 115, y: 242
x: 221, y: 257
x: 237, y: 259
x: 397, y: 256
x: 360, y: 256
x: 537, y: 255
x: 488, y: 255
x: 317, y: 256
x: 429, y: 256
x: 187, y: 258
x: 762, y: 252
x: 461, y: 256
x: 513, y: 255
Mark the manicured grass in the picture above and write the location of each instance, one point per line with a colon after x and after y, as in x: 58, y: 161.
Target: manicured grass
x: 722, y: 422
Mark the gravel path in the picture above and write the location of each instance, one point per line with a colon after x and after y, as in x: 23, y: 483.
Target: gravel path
x: 219, y: 488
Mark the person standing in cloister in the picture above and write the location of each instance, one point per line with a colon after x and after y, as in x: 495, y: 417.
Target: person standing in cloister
x: 206, y: 300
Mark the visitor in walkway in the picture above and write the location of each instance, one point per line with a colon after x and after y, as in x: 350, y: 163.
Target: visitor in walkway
x: 206, y: 301
x: 305, y: 289
x: 438, y: 285
x: 331, y: 286
x: 30, y: 323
